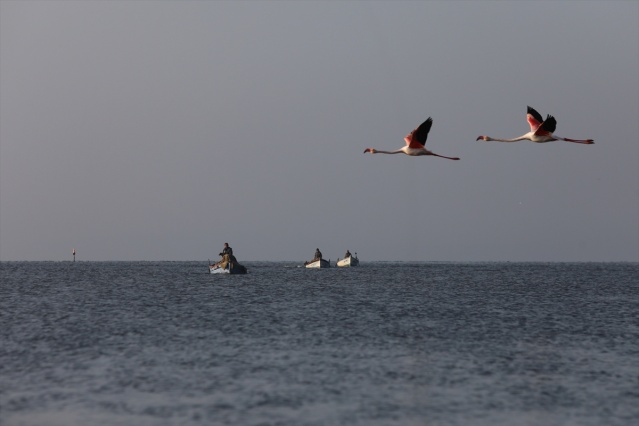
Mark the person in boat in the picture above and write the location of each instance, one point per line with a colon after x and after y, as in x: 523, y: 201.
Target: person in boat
x: 347, y: 255
x: 318, y: 254
x: 227, y: 250
x: 227, y: 256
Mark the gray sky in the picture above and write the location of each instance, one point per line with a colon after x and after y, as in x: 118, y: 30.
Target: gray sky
x: 139, y: 130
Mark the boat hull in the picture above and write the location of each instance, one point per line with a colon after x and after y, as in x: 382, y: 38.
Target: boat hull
x: 234, y: 269
x: 348, y: 262
x: 321, y: 263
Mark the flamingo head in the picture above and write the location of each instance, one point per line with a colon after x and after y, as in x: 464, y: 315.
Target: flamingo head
x: 371, y: 150
x: 483, y: 138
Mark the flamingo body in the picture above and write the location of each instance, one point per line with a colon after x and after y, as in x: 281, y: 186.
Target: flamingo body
x: 415, y: 142
x: 540, y: 131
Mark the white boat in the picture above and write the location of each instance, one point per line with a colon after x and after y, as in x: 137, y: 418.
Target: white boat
x: 348, y: 261
x: 318, y: 263
x: 228, y: 268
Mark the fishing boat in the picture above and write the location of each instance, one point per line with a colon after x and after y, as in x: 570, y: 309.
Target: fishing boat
x: 348, y: 261
x: 227, y: 268
x: 318, y: 263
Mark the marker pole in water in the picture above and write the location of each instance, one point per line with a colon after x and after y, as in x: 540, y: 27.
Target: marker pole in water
x: 73, y: 252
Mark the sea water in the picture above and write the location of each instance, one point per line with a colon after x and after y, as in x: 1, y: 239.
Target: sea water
x: 166, y: 343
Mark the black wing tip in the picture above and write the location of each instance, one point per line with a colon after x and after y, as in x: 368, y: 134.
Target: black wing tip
x: 425, y: 125
x: 532, y: 111
x: 550, y: 124
x: 420, y: 134
x: 428, y: 121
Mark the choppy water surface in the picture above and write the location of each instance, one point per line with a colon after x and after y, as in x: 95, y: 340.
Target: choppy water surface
x: 384, y: 344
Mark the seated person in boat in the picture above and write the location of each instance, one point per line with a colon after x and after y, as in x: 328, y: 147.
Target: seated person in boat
x: 226, y: 250
x: 318, y: 254
x: 227, y: 256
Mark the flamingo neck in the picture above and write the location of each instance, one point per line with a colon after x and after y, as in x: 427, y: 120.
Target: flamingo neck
x: 520, y: 138
x: 377, y: 151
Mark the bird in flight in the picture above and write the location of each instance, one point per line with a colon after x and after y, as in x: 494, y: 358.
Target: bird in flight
x: 415, y: 142
x: 540, y: 131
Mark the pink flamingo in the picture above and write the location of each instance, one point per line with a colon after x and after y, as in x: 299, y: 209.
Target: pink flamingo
x: 540, y: 131
x: 415, y: 142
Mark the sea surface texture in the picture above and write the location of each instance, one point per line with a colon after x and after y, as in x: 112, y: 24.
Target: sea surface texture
x: 166, y: 343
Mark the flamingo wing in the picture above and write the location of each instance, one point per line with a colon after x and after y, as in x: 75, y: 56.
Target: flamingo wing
x: 534, y: 119
x: 417, y: 138
x: 548, y: 126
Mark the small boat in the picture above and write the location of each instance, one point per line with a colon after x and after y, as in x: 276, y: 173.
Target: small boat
x: 318, y: 263
x: 349, y: 261
x: 227, y: 268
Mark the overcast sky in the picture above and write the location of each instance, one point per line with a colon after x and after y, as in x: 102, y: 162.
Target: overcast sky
x: 142, y: 130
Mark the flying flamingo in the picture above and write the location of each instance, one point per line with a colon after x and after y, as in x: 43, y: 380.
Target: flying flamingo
x: 415, y: 142
x: 540, y: 131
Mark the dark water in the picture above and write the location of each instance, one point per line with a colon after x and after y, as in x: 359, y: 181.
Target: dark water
x: 98, y: 343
